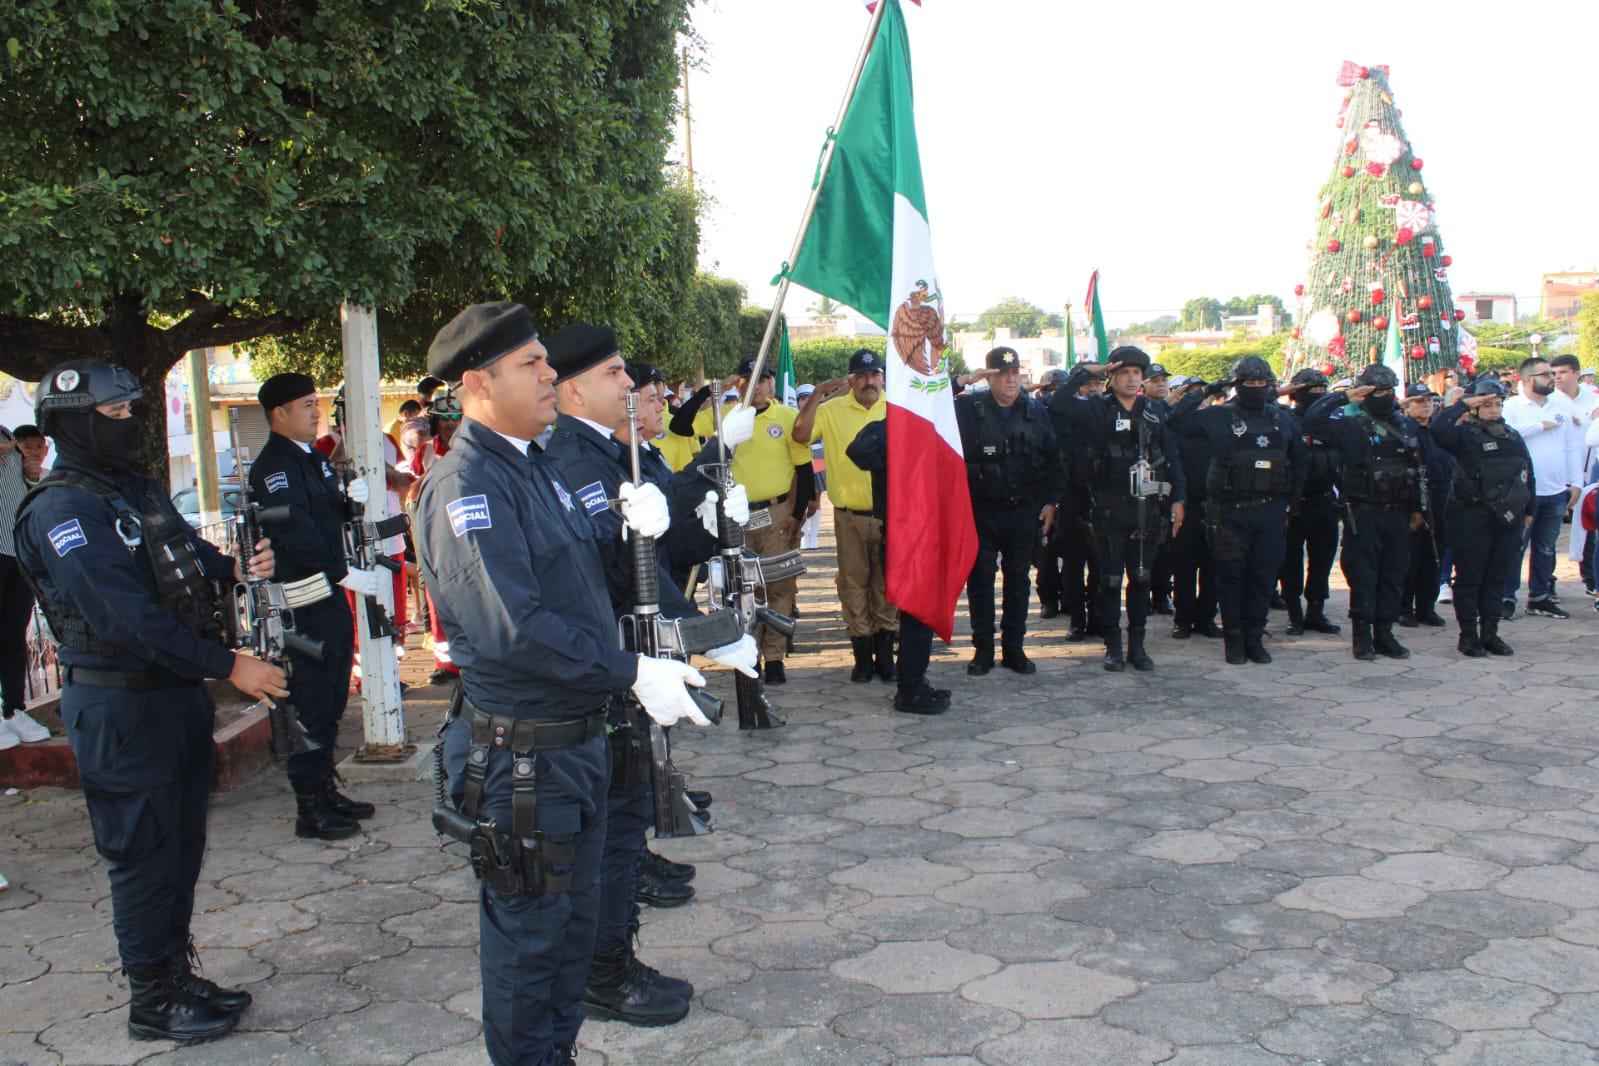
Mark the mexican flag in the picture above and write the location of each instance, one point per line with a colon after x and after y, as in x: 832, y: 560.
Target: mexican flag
x: 787, y: 388
x: 1393, y: 356
x: 1071, y: 344
x: 869, y: 247
x: 1096, y: 321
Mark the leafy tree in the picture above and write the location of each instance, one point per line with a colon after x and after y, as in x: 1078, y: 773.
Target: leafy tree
x: 188, y: 174
x: 820, y: 358
x: 1202, y: 313
x: 1250, y: 305
x: 1022, y: 318
x: 1163, y: 324
x: 1588, y: 328
x: 1214, y: 364
x: 826, y: 310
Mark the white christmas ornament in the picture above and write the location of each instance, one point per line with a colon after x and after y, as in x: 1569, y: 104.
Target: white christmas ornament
x: 1322, y: 327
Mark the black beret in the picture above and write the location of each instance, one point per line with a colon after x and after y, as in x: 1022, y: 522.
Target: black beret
x: 576, y: 348
x: 1127, y: 355
x: 643, y: 374
x: 865, y: 361
x: 477, y: 337
x: 747, y: 366
x: 1003, y: 359
x: 280, y: 389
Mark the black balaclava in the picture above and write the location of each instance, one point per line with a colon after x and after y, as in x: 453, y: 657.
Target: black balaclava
x: 99, y: 442
x: 1305, y: 397
x: 1381, y: 406
x: 1253, y: 397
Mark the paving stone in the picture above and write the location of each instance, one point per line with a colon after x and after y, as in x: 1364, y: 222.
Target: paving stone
x: 1195, y: 1013
x: 1510, y: 848
x: 286, y: 883
x: 786, y: 862
x: 1436, y: 873
x: 927, y: 1025
x: 385, y: 1032
x: 1049, y: 990
x: 290, y: 1001
x: 905, y: 918
x: 445, y: 925
x: 1541, y: 961
x: 432, y: 973
x: 807, y: 899
x: 911, y: 967
x: 1352, y: 897
x: 900, y: 877
x: 785, y: 999
x: 791, y: 945
x: 34, y: 1006
x: 244, y: 1049
x: 1018, y: 893
x: 98, y: 1040
x: 22, y: 1049
x: 995, y: 856
x: 1226, y: 1055
x: 1490, y: 914
x: 1017, y: 938
x: 1357, y: 1036
x: 49, y: 919
x: 984, y: 822
x: 365, y: 903
x: 1160, y: 955
x: 1403, y: 944
x: 1073, y: 1042
x: 244, y: 925
x: 795, y: 1047
x: 1304, y: 977
x: 1124, y: 909
x: 1462, y: 1001
x: 1573, y: 1018
x: 1581, y: 929
x: 1224, y: 884
x: 1514, y: 1048
x: 1560, y: 885
x: 1260, y: 925
x: 329, y: 948
x: 1305, y: 858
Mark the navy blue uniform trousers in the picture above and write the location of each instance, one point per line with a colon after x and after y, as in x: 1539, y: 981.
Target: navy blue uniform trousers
x: 144, y: 761
x: 1375, y: 559
x: 1005, y: 540
x: 1487, y: 554
x: 319, y: 690
x: 1312, y: 545
x: 1248, y: 545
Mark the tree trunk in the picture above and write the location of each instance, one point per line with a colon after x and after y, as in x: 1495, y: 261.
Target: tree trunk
x: 147, y: 353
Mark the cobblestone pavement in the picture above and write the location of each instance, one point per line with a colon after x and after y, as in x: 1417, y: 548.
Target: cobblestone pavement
x: 1313, y: 861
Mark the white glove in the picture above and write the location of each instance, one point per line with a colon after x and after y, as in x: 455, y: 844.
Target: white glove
x: 661, y: 686
x: 738, y: 505
x: 706, y: 513
x: 738, y: 425
x: 362, y: 582
x: 644, y: 509
x: 741, y: 656
x: 357, y: 491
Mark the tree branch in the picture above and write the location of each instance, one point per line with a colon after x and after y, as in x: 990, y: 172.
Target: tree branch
x: 31, y: 346
x: 233, y: 330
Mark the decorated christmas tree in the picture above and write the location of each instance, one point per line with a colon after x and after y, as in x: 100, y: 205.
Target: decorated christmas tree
x: 1376, y: 256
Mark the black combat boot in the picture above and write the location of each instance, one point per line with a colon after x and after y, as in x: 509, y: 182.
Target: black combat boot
x: 1490, y: 636
x: 924, y: 699
x: 883, y: 655
x: 1017, y: 660
x: 1431, y: 618
x: 618, y: 991
x: 1362, y: 642
x: 1136, y: 655
x: 1296, y: 618
x: 159, y: 1010
x: 316, y: 820
x: 1316, y: 618
x: 1234, y: 643
x: 1209, y: 629
x: 566, y: 1055
x: 185, y: 964
x: 776, y: 673
x: 1113, y: 651
x: 664, y: 868
x: 1408, y: 619
x: 1470, y: 644
x: 1077, y: 633
x: 657, y: 890
x: 1182, y: 629
x: 1255, y: 648
x: 982, y: 661
x: 701, y: 799
x: 862, y: 647
x: 1048, y: 609
x: 357, y: 810
x: 675, y: 985
x: 1383, y: 642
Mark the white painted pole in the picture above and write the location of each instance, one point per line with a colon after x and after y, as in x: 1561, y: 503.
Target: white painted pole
x: 382, y: 719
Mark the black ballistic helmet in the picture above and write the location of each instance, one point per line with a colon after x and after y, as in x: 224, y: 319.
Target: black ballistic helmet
x: 1309, y: 377
x: 1127, y: 355
x: 1378, y: 377
x: 1488, y: 387
x: 82, y: 385
x: 1251, y: 368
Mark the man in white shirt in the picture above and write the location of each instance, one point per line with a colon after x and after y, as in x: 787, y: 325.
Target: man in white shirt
x: 1546, y: 420
x: 1584, y: 401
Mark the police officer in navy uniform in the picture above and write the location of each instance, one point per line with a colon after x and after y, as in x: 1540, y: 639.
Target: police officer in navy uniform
x: 1193, y: 568
x: 1136, y: 487
x: 592, y: 385
x: 1013, y: 470
x: 131, y: 595
x: 1257, y: 469
x: 289, y: 472
x: 1313, y: 525
x: 1050, y: 553
x: 1491, y: 502
x: 515, y: 567
x: 1384, y: 478
x: 1419, y: 596
x: 1079, y: 569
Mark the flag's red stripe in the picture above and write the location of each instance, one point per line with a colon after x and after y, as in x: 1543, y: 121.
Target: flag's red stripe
x: 932, y: 539
x: 1088, y: 301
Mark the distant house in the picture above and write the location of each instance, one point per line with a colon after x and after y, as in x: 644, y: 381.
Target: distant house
x: 1560, y: 293
x: 1487, y: 307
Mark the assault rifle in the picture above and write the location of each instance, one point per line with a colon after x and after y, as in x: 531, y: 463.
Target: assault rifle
x: 363, y: 549
x: 646, y: 632
x: 263, y: 610
x: 739, y: 579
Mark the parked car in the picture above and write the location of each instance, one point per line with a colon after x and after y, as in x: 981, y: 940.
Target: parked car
x: 187, y: 501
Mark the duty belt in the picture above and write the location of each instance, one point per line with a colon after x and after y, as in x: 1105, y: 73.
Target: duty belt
x: 756, y: 505
x: 150, y: 679
x: 856, y: 511
x: 507, y: 732
x: 1386, y: 508
x: 1239, y: 505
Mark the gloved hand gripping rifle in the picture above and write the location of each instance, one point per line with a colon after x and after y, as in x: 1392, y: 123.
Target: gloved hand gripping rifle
x: 363, y: 549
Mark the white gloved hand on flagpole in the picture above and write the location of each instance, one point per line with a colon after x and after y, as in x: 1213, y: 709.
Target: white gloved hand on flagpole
x: 738, y: 425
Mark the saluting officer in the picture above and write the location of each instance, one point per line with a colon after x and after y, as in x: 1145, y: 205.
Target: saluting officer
x: 1492, y: 501
x: 1136, y: 488
x: 1419, y: 595
x: 1257, y: 468
x: 1384, y: 467
x: 515, y: 567
x: 1313, y: 525
x: 1049, y: 555
x: 289, y: 472
x: 591, y: 388
x: 1193, y: 567
x: 130, y: 594
x: 1013, y: 471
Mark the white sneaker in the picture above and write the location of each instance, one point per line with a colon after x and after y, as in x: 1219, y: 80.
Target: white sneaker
x: 23, y: 725
x: 8, y: 739
x: 1446, y: 593
x: 4, y: 884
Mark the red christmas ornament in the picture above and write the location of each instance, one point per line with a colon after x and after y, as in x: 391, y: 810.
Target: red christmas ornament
x: 1379, y: 323
x: 1376, y: 170
x: 1294, y: 333
x: 1415, y: 164
x: 1333, y: 245
x: 1350, y: 146
x: 1352, y: 316
x: 1348, y: 171
x: 1327, y: 368
x: 1403, y: 235
x: 1337, y: 347
x: 1460, y: 316
x: 1418, y: 352
x: 1424, y: 302
x: 1365, y: 72
x: 1376, y: 292
x: 1299, y: 290
x: 1447, y: 261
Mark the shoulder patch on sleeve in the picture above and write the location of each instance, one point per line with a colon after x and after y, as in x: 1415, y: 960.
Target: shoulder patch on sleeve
x: 277, y: 482
x: 469, y: 512
x: 66, y: 536
x: 593, y: 498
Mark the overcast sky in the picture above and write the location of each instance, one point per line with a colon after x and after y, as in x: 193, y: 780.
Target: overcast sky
x: 1176, y: 146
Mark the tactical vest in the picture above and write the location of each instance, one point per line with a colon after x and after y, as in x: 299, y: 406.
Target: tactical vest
x: 159, y: 537
x: 1007, y: 466
x: 1490, y: 473
x: 1125, y: 446
x: 1254, y: 464
x: 1391, y: 475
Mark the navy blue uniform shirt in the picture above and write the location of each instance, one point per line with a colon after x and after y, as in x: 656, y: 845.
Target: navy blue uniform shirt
x: 1086, y: 424
x: 515, y: 572
x: 67, y: 540
x: 312, y: 540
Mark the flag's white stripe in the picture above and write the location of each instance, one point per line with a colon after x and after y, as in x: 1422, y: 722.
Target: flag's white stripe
x: 913, y: 263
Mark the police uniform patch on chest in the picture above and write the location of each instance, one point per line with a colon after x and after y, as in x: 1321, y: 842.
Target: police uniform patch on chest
x: 1490, y: 445
x: 1123, y: 425
x: 561, y: 493
x: 990, y: 449
x: 469, y: 512
x: 277, y: 482
x: 1263, y: 441
x: 775, y: 432
x: 66, y: 536
x: 593, y: 498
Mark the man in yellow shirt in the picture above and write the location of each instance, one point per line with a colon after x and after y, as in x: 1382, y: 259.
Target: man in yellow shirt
x: 868, y: 616
x: 775, y: 470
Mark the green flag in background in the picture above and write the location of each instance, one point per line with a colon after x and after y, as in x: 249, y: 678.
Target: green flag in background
x: 1393, y: 354
x: 1071, y: 345
x: 1096, y: 321
x: 787, y: 387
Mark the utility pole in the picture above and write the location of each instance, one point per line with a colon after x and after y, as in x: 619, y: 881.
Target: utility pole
x: 688, y: 126
x: 205, y: 449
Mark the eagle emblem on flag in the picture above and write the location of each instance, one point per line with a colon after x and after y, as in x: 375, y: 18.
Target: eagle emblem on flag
x: 918, y: 330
